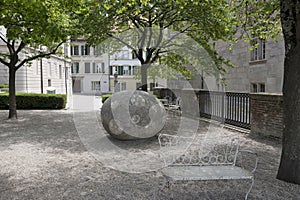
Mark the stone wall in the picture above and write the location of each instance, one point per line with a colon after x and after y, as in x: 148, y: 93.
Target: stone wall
x: 266, y: 114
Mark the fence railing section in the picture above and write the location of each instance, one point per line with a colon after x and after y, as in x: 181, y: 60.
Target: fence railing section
x: 228, y: 107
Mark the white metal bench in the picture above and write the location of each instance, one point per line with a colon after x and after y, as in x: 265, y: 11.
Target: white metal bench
x: 202, y: 158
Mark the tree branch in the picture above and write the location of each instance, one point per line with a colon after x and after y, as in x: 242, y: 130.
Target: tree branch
x: 155, y: 56
x: 2, y: 38
x: 165, y: 44
x: 10, y: 48
x: 143, y: 38
x: 118, y: 39
x: 21, y: 46
x: 39, y: 56
x: 3, y: 62
x: 135, y: 23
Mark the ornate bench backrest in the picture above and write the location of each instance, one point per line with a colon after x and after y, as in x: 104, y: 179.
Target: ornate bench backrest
x: 198, y: 150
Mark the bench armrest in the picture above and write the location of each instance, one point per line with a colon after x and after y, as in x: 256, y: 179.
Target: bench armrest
x: 256, y: 158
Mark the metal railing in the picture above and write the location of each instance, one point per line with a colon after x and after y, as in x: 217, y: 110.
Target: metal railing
x: 227, y: 107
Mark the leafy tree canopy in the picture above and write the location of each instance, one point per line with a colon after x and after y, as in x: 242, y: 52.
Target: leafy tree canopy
x: 257, y: 18
x: 153, y: 29
x: 35, y: 23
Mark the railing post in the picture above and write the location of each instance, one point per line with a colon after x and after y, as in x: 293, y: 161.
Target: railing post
x: 223, y: 107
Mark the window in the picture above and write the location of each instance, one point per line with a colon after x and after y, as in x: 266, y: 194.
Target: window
x: 49, y: 82
x: 96, y: 85
x: 254, y: 87
x: 75, y: 68
x: 262, y: 87
x: 87, y: 68
x: 87, y: 50
x: 118, y: 69
x: 60, y: 71
x: 76, y: 50
x: 82, y: 50
x: 50, y: 69
x: 95, y: 68
x: 258, y: 87
x: 98, y: 68
x: 259, y: 50
x: 126, y: 70
x: 102, y: 68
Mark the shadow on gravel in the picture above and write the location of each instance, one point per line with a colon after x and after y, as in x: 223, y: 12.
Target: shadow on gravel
x: 42, y: 157
x: 53, y: 129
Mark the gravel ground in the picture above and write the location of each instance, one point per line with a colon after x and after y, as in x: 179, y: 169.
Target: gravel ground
x: 44, y: 155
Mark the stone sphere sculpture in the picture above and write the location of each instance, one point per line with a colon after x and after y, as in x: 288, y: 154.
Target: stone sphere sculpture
x: 133, y: 115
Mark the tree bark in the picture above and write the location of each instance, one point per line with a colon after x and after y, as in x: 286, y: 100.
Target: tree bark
x: 12, y: 93
x: 144, y: 77
x: 289, y: 169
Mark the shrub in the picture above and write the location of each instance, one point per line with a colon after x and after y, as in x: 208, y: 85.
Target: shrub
x: 4, y: 86
x: 35, y: 101
x: 105, y: 96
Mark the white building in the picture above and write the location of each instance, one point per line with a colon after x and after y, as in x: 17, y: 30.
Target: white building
x: 44, y: 75
x: 96, y: 74
x: 125, y: 65
x: 90, y: 74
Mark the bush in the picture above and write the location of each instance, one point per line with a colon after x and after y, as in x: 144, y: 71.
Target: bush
x: 4, y: 86
x: 35, y: 101
x: 105, y: 96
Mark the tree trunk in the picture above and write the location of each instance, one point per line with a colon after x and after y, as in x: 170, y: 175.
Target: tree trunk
x: 144, y: 69
x: 12, y: 93
x: 289, y: 169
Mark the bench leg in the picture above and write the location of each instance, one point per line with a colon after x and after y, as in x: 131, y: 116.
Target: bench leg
x: 252, y: 182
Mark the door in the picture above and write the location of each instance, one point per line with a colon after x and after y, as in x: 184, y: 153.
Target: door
x: 76, y: 85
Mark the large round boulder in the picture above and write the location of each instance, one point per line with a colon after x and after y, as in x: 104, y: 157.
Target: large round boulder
x: 132, y: 115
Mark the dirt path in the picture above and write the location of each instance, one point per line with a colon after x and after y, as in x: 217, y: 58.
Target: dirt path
x: 43, y: 156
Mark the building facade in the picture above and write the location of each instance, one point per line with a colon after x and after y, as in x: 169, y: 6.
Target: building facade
x: 258, y: 69
x: 123, y: 69
x: 90, y: 74
x: 44, y: 75
x: 96, y: 74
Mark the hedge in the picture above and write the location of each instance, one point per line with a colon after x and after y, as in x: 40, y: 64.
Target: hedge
x: 35, y: 101
x: 105, y: 96
x: 4, y: 86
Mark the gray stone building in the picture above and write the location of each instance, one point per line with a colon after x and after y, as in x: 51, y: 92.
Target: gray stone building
x: 257, y: 70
